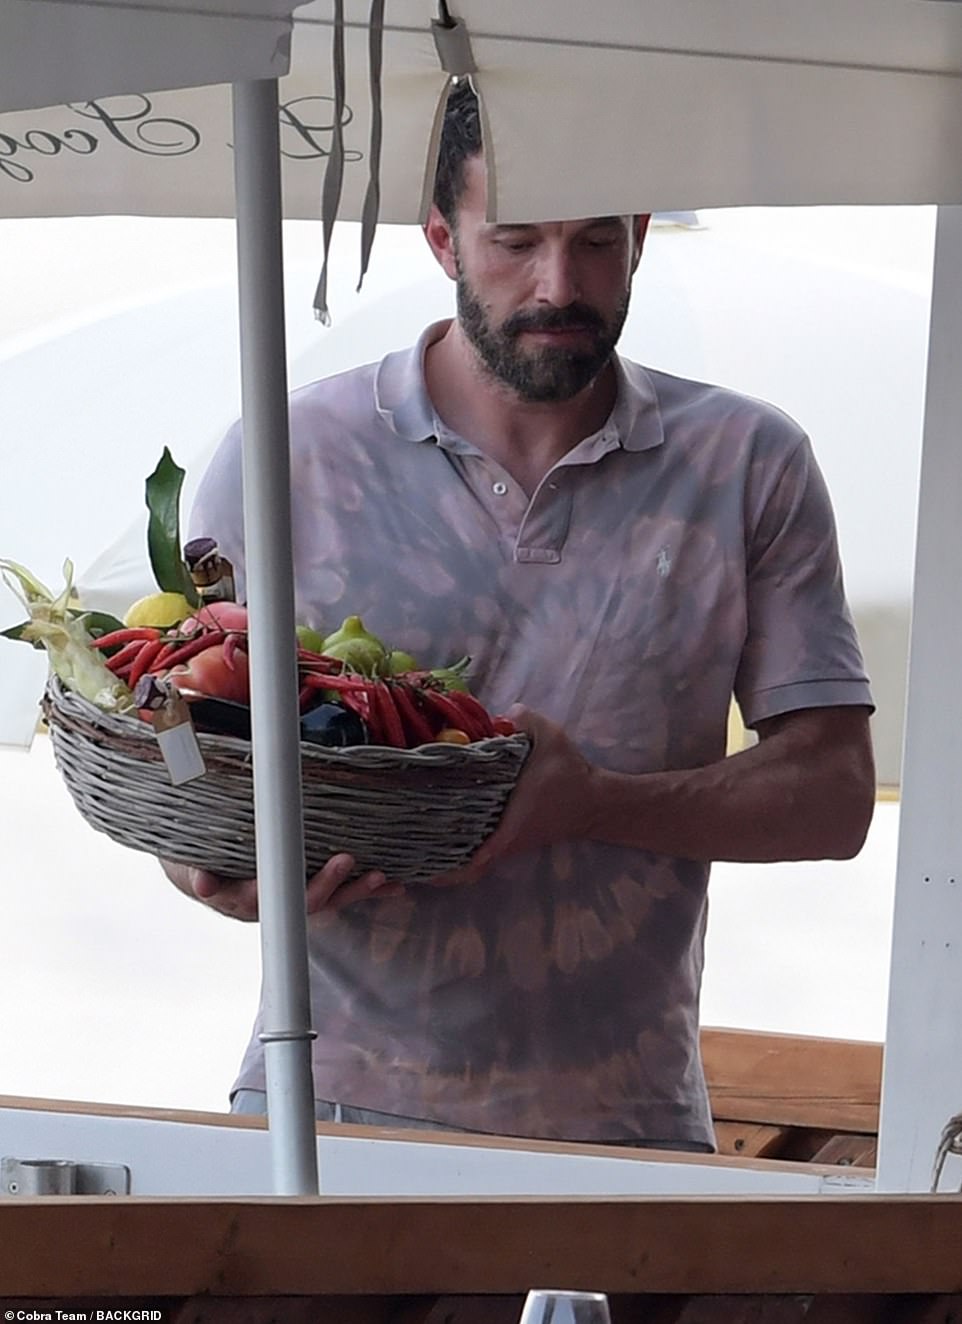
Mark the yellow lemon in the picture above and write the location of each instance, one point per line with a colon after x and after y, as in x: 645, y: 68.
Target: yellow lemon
x: 158, y: 609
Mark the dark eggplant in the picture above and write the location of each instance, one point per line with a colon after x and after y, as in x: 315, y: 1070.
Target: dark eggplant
x: 221, y: 717
x: 332, y: 724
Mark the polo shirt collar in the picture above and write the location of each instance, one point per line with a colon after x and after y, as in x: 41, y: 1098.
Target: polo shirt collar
x: 636, y: 417
x: 400, y: 395
x: 402, y: 401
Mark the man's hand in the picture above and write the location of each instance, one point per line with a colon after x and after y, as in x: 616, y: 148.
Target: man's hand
x: 328, y: 890
x: 554, y: 799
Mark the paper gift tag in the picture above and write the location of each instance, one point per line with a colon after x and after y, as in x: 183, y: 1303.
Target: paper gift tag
x: 178, y: 740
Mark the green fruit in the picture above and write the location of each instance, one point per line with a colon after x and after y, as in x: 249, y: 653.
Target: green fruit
x: 398, y: 662
x: 310, y: 639
x: 453, y: 677
x: 451, y: 680
x: 355, y: 647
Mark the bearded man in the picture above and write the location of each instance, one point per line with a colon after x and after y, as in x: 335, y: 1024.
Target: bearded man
x: 619, y: 551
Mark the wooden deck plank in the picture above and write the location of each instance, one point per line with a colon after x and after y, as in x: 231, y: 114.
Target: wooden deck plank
x: 848, y: 1150
x: 751, y: 1139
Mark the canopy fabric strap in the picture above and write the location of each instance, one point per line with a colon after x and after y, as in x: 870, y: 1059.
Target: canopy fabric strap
x: 372, y: 198
x: 950, y: 1143
x: 453, y: 45
x: 334, y: 174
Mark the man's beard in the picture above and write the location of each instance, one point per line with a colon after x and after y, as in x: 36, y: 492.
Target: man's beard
x: 552, y: 372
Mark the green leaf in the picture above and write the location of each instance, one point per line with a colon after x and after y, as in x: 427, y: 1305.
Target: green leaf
x: 163, y: 529
x: 16, y: 632
x: 98, y: 623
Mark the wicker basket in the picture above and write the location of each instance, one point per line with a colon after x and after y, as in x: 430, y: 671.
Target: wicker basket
x: 412, y: 813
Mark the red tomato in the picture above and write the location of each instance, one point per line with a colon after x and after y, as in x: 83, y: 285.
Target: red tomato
x: 216, y: 616
x: 209, y: 672
x: 503, y: 726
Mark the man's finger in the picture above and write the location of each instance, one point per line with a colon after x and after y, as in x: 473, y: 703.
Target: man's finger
x: 359, y: 889
x: 371, y: 886
x: 322, y: 885
x: 228, y: 896
x: 332, y: 888
x: 207, y: 885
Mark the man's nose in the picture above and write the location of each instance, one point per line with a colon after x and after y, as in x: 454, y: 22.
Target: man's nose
x: 558, y: 282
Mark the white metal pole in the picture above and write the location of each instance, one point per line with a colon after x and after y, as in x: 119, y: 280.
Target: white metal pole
x: 278, y: 809
x: 922, y: 1079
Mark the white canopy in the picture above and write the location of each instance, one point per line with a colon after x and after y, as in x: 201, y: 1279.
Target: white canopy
x: 624, y: 106
x: 54, y: 51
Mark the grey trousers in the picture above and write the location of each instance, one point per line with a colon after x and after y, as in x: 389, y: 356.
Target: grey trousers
x: 253, y: 1103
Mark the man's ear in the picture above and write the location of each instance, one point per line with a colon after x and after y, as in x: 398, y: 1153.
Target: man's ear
x: 440, y: 237
x: 639, y: 231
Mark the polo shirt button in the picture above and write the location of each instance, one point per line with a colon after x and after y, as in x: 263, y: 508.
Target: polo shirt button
x: 499, y: 489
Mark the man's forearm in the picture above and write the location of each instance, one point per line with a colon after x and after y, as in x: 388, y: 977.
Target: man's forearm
x: 794, y: 796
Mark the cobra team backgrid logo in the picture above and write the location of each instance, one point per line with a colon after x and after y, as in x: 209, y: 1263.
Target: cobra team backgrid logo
x: 88, y: 1316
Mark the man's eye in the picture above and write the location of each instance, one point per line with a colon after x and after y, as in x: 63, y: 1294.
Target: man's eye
x: 598, y: 241
x: 516, y: 245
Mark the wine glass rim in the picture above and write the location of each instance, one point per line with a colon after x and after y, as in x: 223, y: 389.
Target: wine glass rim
x: 567, y: 1294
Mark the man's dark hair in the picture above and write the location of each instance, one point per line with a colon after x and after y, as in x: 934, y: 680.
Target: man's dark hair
x: 460, y: 140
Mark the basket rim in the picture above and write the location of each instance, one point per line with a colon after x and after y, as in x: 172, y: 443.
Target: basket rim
x: 73, y: 709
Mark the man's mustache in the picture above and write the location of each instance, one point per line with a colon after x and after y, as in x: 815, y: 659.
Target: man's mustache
x: 576, y: 317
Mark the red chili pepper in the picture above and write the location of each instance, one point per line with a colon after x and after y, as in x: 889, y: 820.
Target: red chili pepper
x: 449, y: 714
x: 144, y: 660
x: 321, y: 666
x: 122, y: 659
x: 169, y: 649
x: 125, y: 636
x: 387, y: 716
x: 418, y: 729
x: 470, y: 707
x: 234, y: 641
x: 359, y: 701
x: 305, y: 656
x: 348, y: 684
x: 196, y: 644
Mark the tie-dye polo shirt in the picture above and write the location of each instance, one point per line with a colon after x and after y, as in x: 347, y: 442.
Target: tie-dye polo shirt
x: 684, y: 552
